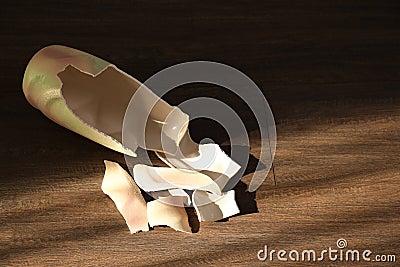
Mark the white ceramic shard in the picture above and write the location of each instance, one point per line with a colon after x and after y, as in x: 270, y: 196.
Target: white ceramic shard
x: 210, y: 207
x: 165, y: 178
x: 174, y: 216
x: 211, y: 158
x: 121, y: 188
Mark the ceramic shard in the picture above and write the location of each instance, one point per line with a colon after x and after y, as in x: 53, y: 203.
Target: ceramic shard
x: 121, y: 188
x: 174, y: 216
x: 210, y: 207
x: 165, y: 178
x: 90, y: 96
x: 211, y: 158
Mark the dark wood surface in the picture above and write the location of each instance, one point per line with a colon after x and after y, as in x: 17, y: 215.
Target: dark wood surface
x: 330, y: 71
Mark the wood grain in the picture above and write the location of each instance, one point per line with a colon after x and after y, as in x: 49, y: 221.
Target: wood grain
x: 330, y: 70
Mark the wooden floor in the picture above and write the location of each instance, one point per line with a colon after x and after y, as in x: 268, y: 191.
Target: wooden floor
x: 330, y: 71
